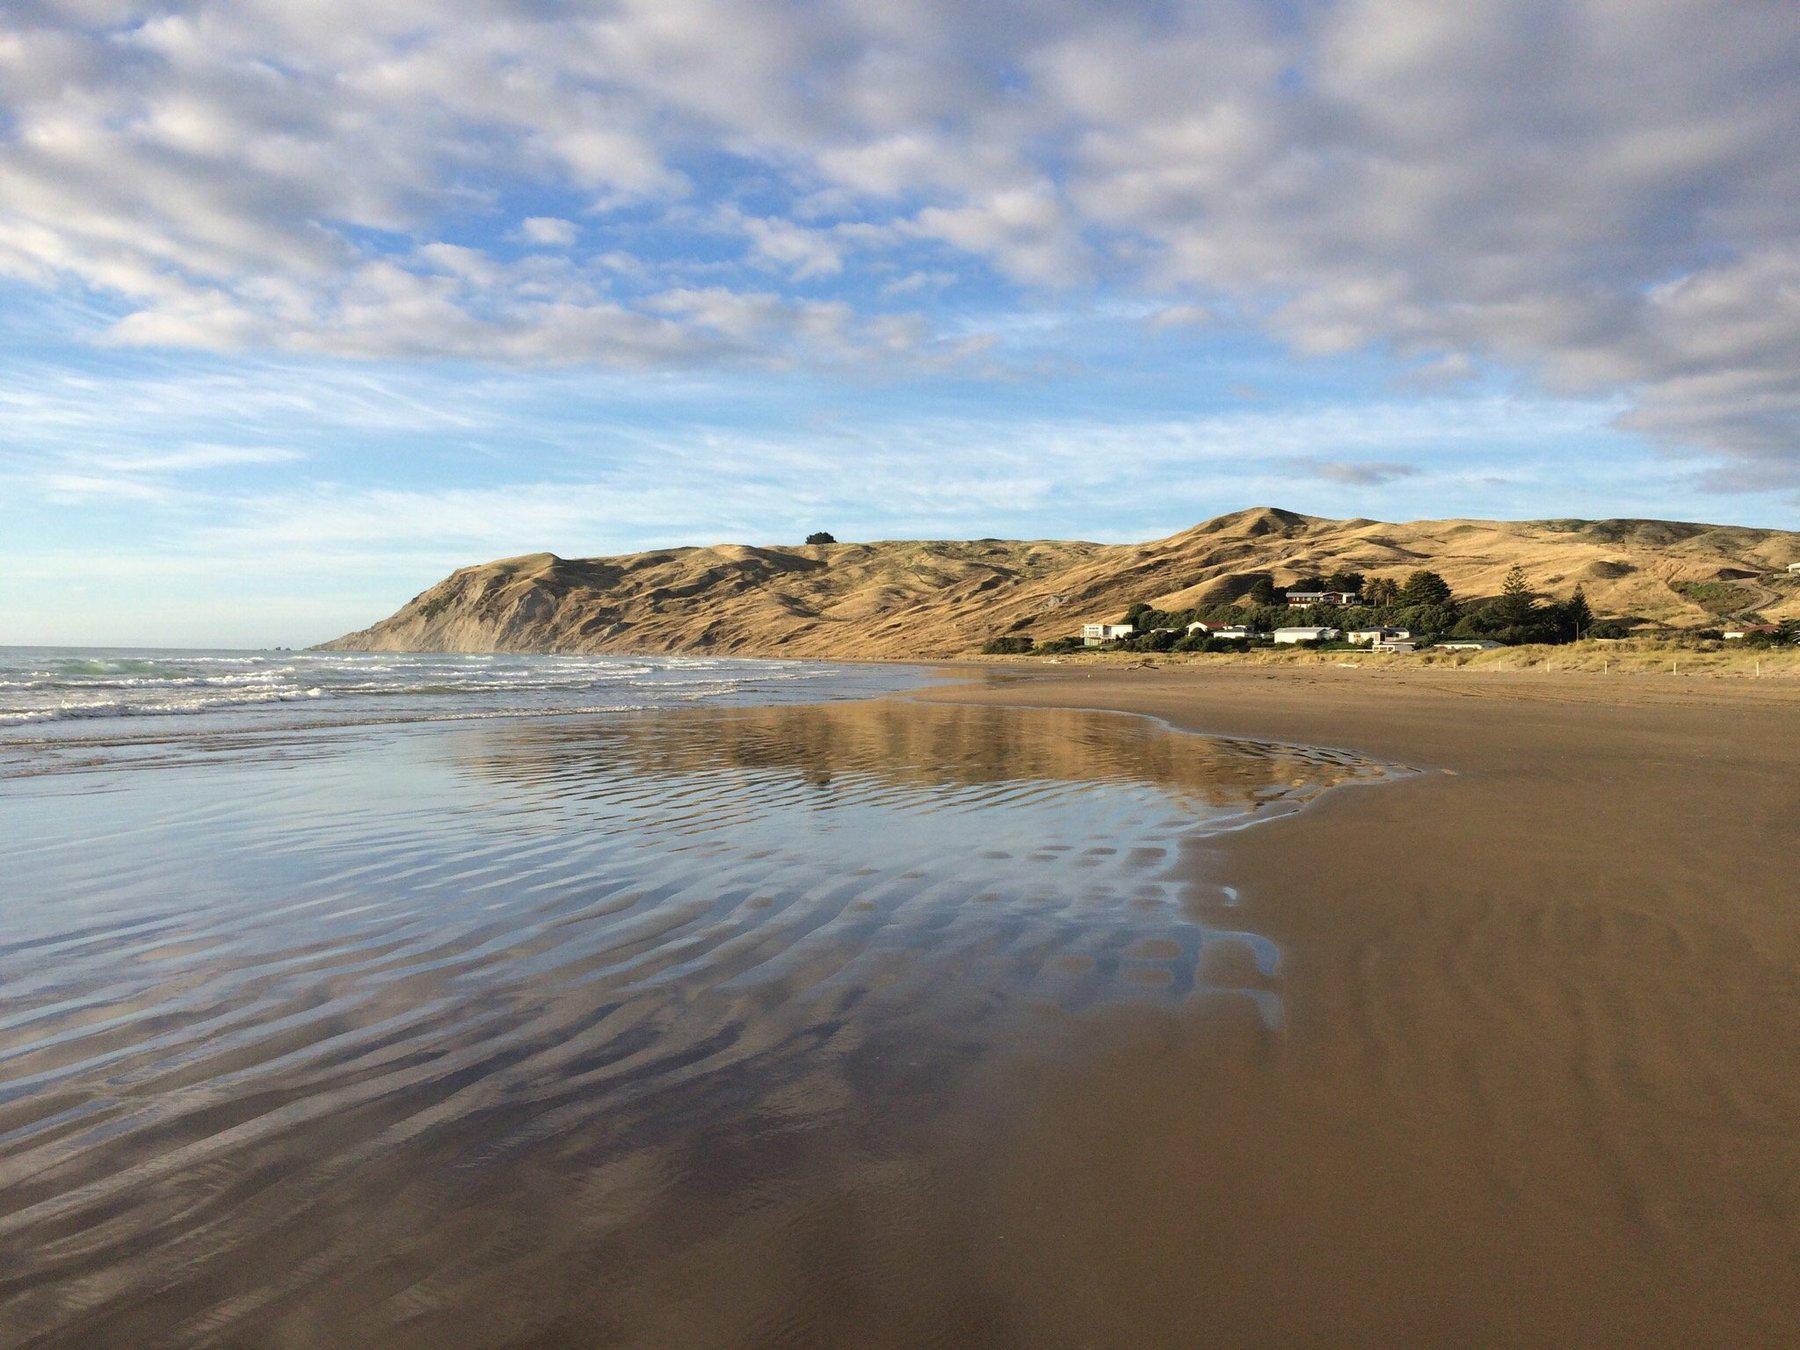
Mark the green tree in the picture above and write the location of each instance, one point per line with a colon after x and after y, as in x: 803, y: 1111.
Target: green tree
x: 1262, y: 591
x: 1517, y: 605
x: 1382, y: 591
x: 1425, y: 588
x: 1344, y: 581
x: 1577, y: 617
x: 820, y: 537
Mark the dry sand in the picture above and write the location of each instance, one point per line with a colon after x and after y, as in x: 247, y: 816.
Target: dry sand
x: 1540, y: 1078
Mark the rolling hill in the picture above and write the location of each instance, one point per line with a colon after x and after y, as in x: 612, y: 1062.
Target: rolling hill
x: 908, y: 598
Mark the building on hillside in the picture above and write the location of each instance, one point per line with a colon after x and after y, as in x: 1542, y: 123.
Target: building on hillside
x: 1376, y: 635
x: 1470, y: 645
x: 1285, y: 636
x: 1794, y: 567
x: 1736, y: 634
x: 1093, y: 634
x: 1301, y: 599
x: 1234, y: 631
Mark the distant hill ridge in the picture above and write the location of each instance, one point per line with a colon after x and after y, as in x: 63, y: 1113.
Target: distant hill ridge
x: 912, y: 598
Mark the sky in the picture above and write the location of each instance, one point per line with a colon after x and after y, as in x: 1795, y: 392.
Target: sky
x: 305, y: 303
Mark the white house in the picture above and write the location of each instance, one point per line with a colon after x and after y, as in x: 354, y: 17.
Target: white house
x: 1093, y: 634
x: 1471, y: 645
x: 1376, y: 635
x: 1235, y: 631
x: 1300, y: 599
x: 1394, y: 645
x: 1284, y: 636
x: 1794, y: 567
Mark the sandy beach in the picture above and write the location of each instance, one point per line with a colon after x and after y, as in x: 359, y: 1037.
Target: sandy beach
x: 647, y: 1026
x: 1540, y: 1077
x: 1394, y: 1007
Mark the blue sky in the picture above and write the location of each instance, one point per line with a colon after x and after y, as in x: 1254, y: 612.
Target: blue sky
x: 302, y: 307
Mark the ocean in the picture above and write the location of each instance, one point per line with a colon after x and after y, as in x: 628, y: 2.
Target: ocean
x: 276, y: 689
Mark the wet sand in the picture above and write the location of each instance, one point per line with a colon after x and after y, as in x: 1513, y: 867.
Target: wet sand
x: 651, y: 1028
x: 1539, y: 1081
x: 902, y: 1022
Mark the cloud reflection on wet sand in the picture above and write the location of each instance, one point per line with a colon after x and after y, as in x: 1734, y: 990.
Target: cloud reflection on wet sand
x: 475, y: 1033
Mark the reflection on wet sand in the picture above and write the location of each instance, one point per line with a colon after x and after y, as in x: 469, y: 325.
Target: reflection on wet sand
x: 635, y: 1028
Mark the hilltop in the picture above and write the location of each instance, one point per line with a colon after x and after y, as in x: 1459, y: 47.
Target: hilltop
x: 911, y: 598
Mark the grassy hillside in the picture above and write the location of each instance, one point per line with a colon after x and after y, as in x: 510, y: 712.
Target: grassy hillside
x: 911, y: 598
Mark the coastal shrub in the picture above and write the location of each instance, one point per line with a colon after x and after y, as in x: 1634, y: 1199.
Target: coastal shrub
x: 1716, y: 597
x: 821, y: 537
x: 1056, y: 646
x: 1786, y: 634
x: 1518, y: 615
x: 1014, y: 644
x: 1159, y: 639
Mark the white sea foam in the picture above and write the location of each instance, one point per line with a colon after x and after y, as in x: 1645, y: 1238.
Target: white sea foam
x: 257, y: 690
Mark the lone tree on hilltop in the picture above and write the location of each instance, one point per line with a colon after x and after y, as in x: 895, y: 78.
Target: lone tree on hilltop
x: 821, y: 537
x: 1425, y: 588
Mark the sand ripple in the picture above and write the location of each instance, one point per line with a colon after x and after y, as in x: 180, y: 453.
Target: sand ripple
x: 292, y: 1040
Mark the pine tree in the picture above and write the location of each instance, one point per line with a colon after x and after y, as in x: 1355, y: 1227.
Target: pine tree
x: 1425, y: 588
x: 1577, y: 617
x: 1517, y: 600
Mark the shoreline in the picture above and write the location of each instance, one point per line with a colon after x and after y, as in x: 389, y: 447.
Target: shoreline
x: 1543, y: 1005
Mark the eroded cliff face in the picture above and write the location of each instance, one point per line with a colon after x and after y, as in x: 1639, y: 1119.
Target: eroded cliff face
x: 899, y: 599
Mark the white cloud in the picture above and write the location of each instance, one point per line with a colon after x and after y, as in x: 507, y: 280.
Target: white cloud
x: 189, y: 458
x: 550, y: 231
x: 1352, y: 473
x: 1598, y: 192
